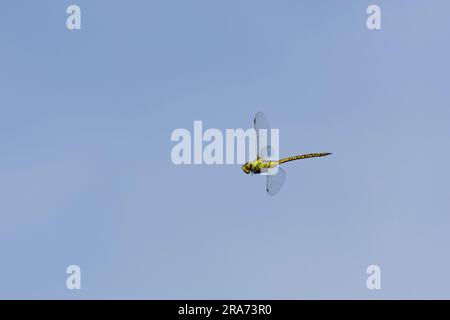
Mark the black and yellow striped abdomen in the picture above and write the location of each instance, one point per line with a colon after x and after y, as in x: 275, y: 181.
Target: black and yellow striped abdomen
x: 304, y: 156
x: 257, y: 165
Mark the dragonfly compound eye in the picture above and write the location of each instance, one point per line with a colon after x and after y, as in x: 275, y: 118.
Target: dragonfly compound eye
x: 246, y: 168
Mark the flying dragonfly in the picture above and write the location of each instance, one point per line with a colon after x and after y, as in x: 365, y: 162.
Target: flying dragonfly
x: 263, y: 162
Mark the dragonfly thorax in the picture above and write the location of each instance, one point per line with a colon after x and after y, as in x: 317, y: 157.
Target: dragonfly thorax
x: 256, y: 165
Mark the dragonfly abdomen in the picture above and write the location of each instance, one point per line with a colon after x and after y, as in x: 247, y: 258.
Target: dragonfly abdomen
x: 304, y: 156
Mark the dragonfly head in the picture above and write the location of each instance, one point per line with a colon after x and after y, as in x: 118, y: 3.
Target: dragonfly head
x: 247, y: 167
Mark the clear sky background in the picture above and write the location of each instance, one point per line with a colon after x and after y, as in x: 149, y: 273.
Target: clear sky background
x: 86, y: 176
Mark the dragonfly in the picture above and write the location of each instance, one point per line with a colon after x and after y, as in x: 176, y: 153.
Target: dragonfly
x: 264, y: 164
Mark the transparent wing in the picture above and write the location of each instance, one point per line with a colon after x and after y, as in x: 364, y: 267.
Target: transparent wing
x: 262, y: 136
x: 275, y: 181
x: 266, y: 153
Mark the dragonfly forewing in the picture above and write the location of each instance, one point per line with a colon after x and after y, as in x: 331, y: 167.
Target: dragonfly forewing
x: 262, y: 129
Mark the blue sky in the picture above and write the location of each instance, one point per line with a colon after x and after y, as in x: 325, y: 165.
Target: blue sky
x: 86, y: 176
